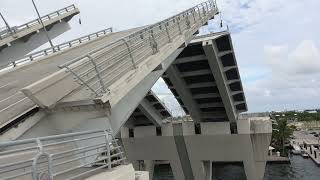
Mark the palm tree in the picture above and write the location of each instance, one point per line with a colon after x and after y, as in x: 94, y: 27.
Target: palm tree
x: 282, y: 134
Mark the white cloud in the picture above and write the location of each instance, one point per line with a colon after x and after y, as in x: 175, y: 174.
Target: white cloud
x: 276, y: 41
x: 294, y: 80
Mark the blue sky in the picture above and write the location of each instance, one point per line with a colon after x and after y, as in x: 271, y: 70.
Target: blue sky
x: 277, y: 42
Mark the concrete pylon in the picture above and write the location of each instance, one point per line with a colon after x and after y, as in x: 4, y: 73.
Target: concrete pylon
x: 198, y: 170
x: 177, y: 170
x: 260, y: 144
x: 149, y: 166
x: 250, y: 169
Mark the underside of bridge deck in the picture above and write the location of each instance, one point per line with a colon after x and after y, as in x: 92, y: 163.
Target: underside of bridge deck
x: 151, y: 111
x: 205, y: 79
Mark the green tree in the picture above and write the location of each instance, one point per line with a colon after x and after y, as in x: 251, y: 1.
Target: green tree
x: 281, y: 134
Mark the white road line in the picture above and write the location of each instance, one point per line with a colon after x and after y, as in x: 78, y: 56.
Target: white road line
x: 9, y: 97
x: 8, y: 107
x: 4, y: 85
x: 7, y: 84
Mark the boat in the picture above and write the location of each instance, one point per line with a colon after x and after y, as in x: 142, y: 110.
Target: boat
x: 305, y: 155
x: 296, y: 149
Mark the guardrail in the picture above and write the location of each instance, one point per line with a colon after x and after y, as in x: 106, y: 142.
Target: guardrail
x: 57, y: 48
x: 65, y: 156
x: 30, y: 24
x: 101, y: 67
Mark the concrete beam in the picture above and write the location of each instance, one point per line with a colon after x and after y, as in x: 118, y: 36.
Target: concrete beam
x: 121, y: 111
x: 185, y: 95
x: 217, y: 70
x: 152, y: 114
x: 190, y: 59
x: 209, y: 95
x: 195, y: 73
x: 217, y: 104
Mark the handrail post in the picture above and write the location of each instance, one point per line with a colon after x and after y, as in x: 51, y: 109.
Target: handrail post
x: 153, y: 43
x: 199, y: 12
x: 207, y: 7
x: 44, y: 173
x: 168, y: 34
x: 108, y: 149
x: 178, y: 19
x: 130, y: 53
x: 82, y: 81
x: 98, y: 73
x: 192, y: 12
x: 188, y: 22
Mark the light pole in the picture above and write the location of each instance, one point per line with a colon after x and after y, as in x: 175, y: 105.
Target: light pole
x: 44, y: 28
x: 7, y: 25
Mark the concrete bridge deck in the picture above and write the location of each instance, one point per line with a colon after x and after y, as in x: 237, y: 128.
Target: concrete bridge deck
x: 125, y: 59
x: 13, y: 102
x: 26, y: 30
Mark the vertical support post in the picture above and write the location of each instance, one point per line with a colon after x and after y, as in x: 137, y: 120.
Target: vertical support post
x: 194, y: 18
x: 207, y: 7
x: 82, y: 81
x: 4, y: 20
x: 153, y: 43
x: 178, y: 19
x: 188, y: 22
x: 108, y: 148
x: 44, y: 28
x: 199, y: 12
x: 168, y: 34
x: 43, y: 174
x: 98, y: 73
x: 130, y: 53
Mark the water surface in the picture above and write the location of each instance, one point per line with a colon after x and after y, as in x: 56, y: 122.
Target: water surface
x: 299, y: 169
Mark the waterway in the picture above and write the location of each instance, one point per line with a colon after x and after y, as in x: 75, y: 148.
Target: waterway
x: 299, y: 169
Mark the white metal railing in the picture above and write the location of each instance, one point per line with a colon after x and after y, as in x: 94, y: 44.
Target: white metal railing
x: 60, y: 156
x: 16, y: 29
x: 57, y: 48
x: 101, y: 67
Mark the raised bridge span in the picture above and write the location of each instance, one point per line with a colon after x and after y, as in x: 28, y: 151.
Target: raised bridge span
x: 110, y: 60
x: 17, y: 41
x: 104, y: 83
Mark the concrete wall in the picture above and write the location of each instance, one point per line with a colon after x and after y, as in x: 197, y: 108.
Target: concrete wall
x: 188, y: 152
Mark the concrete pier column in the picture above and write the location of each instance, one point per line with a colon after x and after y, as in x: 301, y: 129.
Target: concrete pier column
x: 250, y: 169
x: 149, y: 166
x: 260, y: 169
x: 198, y: 170
x: 136, y: 165
x: 208, y: 170
x: 178, y: 171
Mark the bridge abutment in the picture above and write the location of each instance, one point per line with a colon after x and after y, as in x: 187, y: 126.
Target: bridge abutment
x: 197, y: 155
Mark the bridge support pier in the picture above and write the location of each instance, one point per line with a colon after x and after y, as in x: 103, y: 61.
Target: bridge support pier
x: 149, y: 166
x: 177, y: 170
x: 206, y: 155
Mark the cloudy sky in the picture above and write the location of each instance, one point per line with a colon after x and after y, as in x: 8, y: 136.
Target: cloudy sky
x: 277, y: 42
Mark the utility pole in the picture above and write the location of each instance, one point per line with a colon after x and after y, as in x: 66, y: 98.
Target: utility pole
x: 44, y: 28
x: 7, y: 25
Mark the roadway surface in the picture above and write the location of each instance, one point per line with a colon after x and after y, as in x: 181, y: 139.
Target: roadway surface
x: 13, y: 102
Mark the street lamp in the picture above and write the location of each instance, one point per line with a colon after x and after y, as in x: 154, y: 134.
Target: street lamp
x: 44, y: 28
x: 7, y: 25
